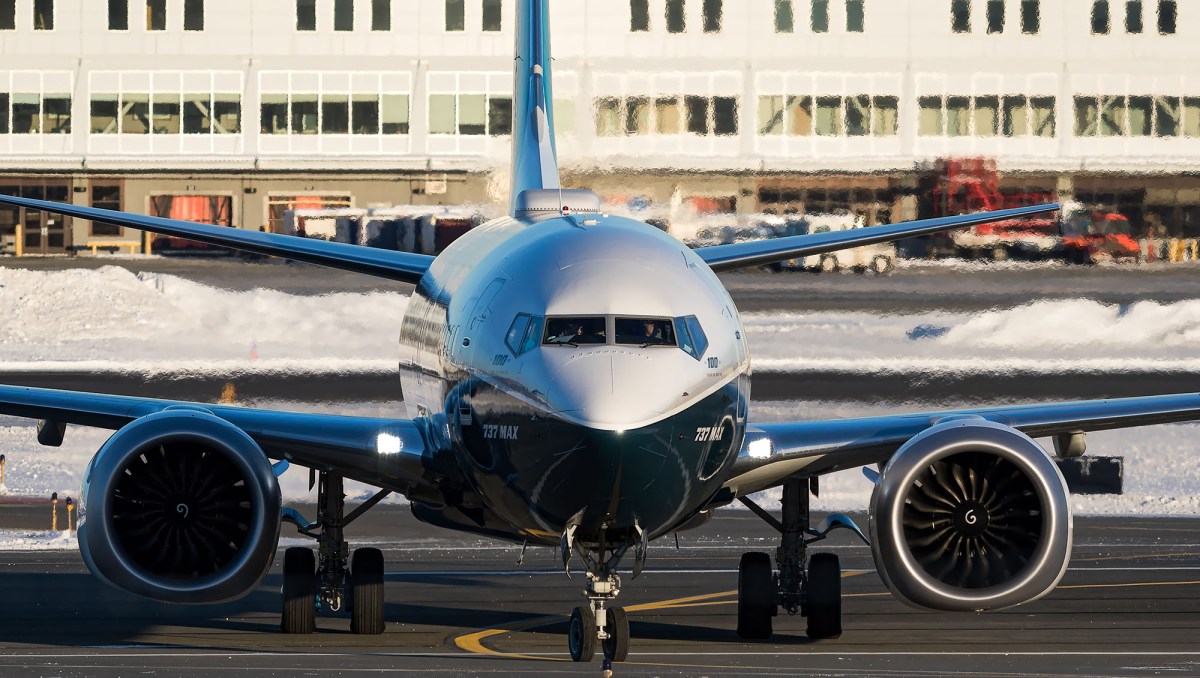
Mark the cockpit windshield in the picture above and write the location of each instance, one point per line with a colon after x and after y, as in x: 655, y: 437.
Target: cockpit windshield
x: 645, y: 331
x: 575, y: 331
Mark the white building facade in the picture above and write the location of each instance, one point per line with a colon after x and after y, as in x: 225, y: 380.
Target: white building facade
x: 232, y: 111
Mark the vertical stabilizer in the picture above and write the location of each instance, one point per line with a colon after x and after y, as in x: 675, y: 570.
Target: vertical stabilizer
x: 534, y: 164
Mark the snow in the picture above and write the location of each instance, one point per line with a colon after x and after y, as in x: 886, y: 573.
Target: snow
x: 110, y: 317
x: 112, y: 320
x: 21, y: 540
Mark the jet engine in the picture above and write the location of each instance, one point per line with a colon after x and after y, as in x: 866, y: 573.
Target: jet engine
x: 182, y: 507
x: 970, y: 515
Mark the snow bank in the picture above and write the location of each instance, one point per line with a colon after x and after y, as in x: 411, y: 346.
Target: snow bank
x: 1045, y: 336
x: 22, y: 540
x: 113, y: 320
x: 120, y: 318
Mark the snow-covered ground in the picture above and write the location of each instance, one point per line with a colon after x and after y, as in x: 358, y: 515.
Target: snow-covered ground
x: 111, y: 319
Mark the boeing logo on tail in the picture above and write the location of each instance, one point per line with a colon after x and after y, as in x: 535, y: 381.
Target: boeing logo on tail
x: 576, y: 380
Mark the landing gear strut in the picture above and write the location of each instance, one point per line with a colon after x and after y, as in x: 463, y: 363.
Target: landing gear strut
x: 599, y: 622
x: 809, y: 586
x: 333, y: 579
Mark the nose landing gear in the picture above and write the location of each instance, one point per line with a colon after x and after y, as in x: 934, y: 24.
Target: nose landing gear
x: 599, y: 622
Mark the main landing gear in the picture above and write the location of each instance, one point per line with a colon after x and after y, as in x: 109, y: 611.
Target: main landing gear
x: 810, y: 586
x: 333, y: 579
x: 599, y: 622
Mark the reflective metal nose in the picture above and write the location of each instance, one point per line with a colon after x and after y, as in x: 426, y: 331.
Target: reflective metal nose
x: 615, y: 389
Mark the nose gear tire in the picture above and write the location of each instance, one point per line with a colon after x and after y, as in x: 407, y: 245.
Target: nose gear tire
x: 616, y: 645
x: 581, y: 635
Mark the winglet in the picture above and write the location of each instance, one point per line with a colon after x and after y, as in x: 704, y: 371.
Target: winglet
x: 534, y: 161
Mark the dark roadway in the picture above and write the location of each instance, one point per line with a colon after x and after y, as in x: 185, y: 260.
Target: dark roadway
x: 1129, y: 605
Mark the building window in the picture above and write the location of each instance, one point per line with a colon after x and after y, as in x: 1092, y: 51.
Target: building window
x: 493, y: 11
x: 666, y: 115
x: 857, y: 115
x: 1137, y: 116
x: 156, y: 15
x: 25, y: 117
x: 105, y: 197
x: 676, y: 21
x: 1031, y: 16
x: 8, y: 15
x: 35, y: 113
x: 306, y: 15
x: 1167, y: 16
x: 193, y: 15
x: 470, y: 114
x: 166, y: 112
x: 639, y: 15
x: 361, y: 111
x: 1100, y: 18
x: 784, y: 19
x: 711, y: 16
x: 1023, y: 116
x: 986, y: 116
x: 1133, y: 16
x: 118, y: 15
x: 995, y: 16
x: 856, y: 18
x: 381, y: 15
x: 456, y: 15
x: 819, y: 18
x: 960, y: 16
x: 43, y: 15
x: 343, y: 15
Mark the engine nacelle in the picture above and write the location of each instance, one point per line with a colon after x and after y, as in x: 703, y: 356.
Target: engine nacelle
x: 970, y: 515
x: 182, y: 507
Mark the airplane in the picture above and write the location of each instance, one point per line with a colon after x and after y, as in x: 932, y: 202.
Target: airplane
x: 580, y: 381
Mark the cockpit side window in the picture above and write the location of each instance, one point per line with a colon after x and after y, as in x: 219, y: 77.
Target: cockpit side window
x: 691, y: 336
x: 645, y: 331
x: 575, y: 331
x: 516, y: 333
x: 523, y: 333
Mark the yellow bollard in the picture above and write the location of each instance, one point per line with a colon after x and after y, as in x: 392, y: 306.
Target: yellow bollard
x: 54, y: 512
x: 71, y: 515
x: 228, y: 394
x: 20, y: 239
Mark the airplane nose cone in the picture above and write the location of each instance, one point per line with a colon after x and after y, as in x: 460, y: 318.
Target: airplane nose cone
x: 617, y: 389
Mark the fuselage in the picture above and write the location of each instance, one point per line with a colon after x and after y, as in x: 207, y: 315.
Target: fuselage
x: 591, y: 371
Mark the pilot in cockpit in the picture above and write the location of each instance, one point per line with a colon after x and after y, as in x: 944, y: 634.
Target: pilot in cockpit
x: 653, y: 334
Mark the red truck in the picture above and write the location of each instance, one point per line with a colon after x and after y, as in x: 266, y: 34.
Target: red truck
x: 1076, y: 234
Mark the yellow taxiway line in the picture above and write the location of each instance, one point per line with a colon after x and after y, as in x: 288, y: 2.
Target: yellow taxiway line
x: 473, y: 642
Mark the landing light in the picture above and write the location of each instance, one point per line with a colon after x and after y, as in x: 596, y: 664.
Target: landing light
x: 388, y: 443
x: 759, y: 448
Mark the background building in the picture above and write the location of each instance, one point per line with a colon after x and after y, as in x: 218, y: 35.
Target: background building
x: 231, y: 111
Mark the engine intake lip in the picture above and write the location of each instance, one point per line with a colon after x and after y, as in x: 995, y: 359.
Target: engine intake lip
x: 108, y: 554
x: 902, y: 570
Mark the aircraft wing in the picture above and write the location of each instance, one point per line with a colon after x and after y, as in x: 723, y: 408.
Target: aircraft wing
x: 403, y: 266
x: 772, y: 452
x: 743, y: 254
x: 393, y: 453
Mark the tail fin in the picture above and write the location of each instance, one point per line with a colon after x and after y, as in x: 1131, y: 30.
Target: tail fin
x: 534, y: 163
